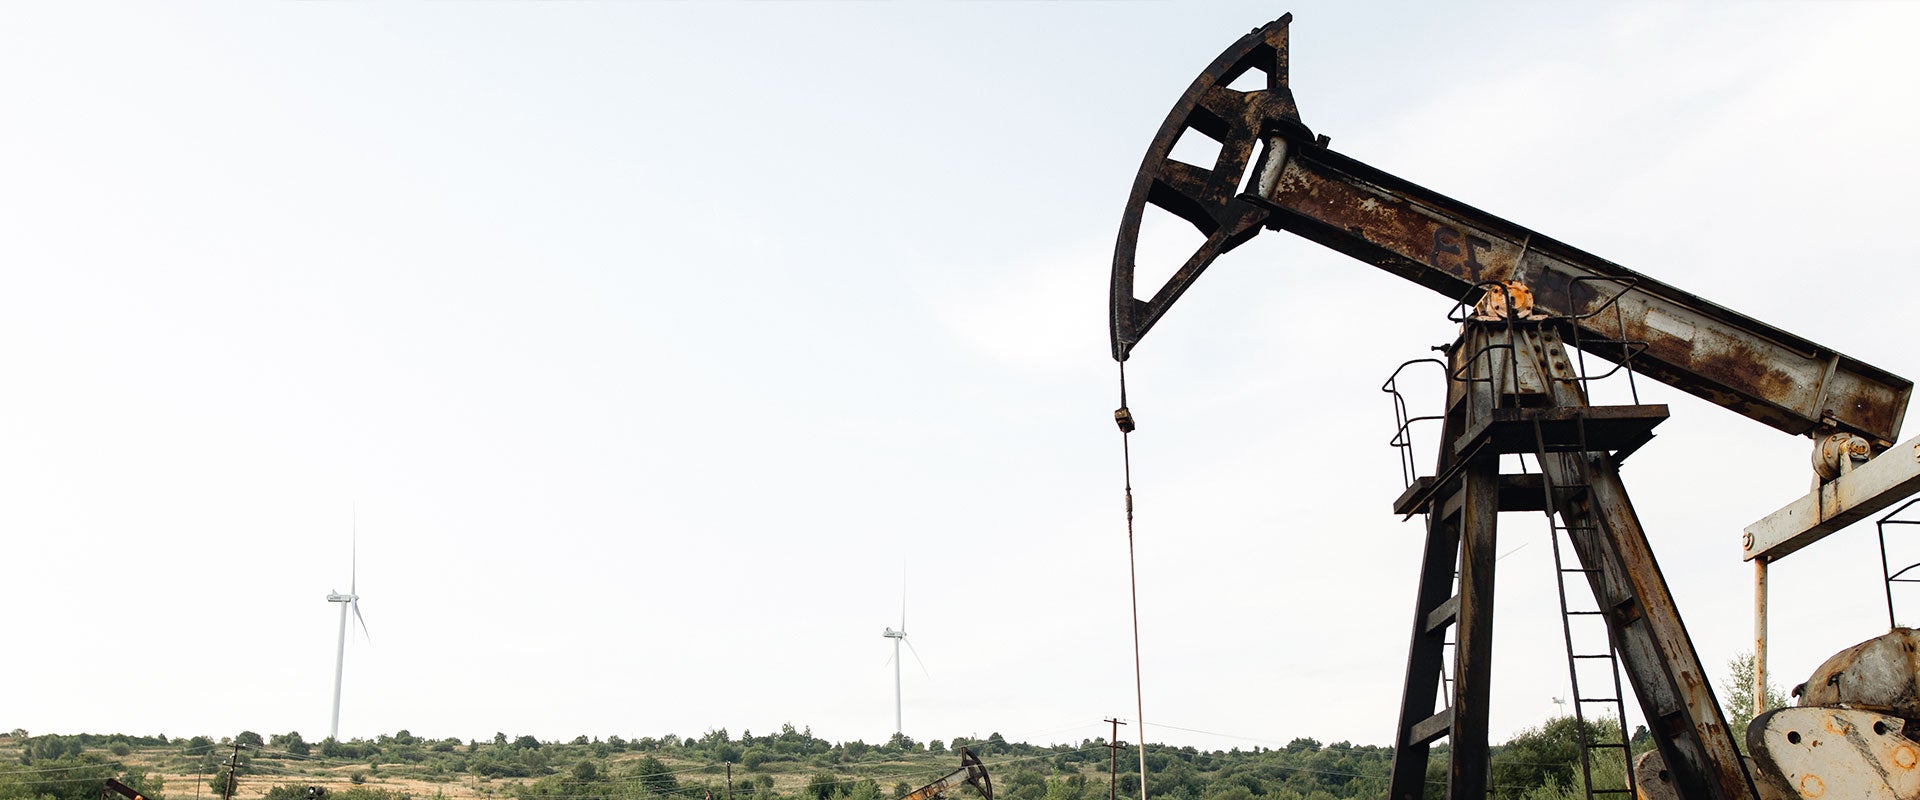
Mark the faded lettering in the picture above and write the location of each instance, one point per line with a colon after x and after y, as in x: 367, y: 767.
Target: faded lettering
x: 1447, y: 240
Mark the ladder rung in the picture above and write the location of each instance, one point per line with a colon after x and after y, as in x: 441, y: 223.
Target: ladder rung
x: 1429, y: 729
x: 1597, y: 700
x: 1610, y: 745
x: 1445, y: 614
x: 1596, y: 655
x: 1585, y: 613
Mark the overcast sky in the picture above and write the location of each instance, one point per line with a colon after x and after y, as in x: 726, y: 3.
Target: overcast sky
x: 657, y: 346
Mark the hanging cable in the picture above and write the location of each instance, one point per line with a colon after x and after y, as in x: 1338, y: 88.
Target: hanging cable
x: 1124, y: 418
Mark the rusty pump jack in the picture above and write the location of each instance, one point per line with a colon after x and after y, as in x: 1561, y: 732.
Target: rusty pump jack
x: 1510, y: 390
x: 971, y: 773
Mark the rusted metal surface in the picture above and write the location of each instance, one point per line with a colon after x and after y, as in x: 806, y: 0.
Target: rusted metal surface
x: 1837, y: 454
x: 1206, y: 199
x: 1462, y: 512
x: 1883, y: 480
x: 1502, y: 370
x: 1843, y: 754
x: 1667, y: 676
x: 1880, y: 674
x: 1687, y: 726
x: 1497, y: 368
x: 1296, y: 183
x: 1652, y: 781
x: 1684, y: 718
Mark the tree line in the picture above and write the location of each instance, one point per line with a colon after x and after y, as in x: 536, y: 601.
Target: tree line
x: 791, y: 764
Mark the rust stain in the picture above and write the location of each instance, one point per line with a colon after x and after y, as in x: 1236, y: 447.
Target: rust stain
x: 1905, y: 758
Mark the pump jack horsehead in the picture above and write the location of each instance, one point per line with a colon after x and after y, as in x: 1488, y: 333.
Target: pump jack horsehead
x: 971, y: 772
x: 1511, y: 389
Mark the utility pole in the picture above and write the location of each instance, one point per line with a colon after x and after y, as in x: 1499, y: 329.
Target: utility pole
x: 1113, y: 760
x: 729, y: 780
x: 233, y: 763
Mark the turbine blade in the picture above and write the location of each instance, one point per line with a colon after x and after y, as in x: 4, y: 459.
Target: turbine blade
x: 354, y: 587
x: 903, y: 605
x: 916, y: 657
x: 363, y: 622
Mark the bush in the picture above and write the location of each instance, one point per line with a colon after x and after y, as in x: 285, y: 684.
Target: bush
x: 753, y: 758
x: 655, y: 776
x: 821, y: 786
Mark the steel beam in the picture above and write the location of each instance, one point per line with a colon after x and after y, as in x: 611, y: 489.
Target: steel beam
x: 1273, y: 173
x: 1885, y: 479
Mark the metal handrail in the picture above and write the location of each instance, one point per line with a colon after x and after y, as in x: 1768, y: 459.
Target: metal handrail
x: 1886, y: 570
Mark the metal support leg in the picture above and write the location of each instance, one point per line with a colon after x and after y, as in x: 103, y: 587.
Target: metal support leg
x: 1460, y: 534
x: 1473, y: 637
x: 1426, y: 655
x: 1672, y: 686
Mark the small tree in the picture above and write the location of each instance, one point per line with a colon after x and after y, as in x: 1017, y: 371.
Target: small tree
x: 821, y: 786
x: 1739, y: 693
x: 655, y: 776
x: 1550, y: 756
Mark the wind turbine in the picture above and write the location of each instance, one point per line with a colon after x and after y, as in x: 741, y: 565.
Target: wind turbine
x: 349, y: 600
x: 898, y: 637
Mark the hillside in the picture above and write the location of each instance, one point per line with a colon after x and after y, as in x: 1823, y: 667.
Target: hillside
x: 789, y: 765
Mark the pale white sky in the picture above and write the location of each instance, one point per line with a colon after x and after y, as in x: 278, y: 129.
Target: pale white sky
x: 656, y: 344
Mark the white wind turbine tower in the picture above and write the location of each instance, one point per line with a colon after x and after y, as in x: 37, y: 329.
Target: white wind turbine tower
x: 349, y: 600
x: 898, y: 637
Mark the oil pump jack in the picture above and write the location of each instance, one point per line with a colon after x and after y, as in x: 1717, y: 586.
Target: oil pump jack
x: 1512, y: 389
x: 971, y: 773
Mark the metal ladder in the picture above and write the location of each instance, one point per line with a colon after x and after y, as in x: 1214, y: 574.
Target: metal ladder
x: 1567, y: 518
